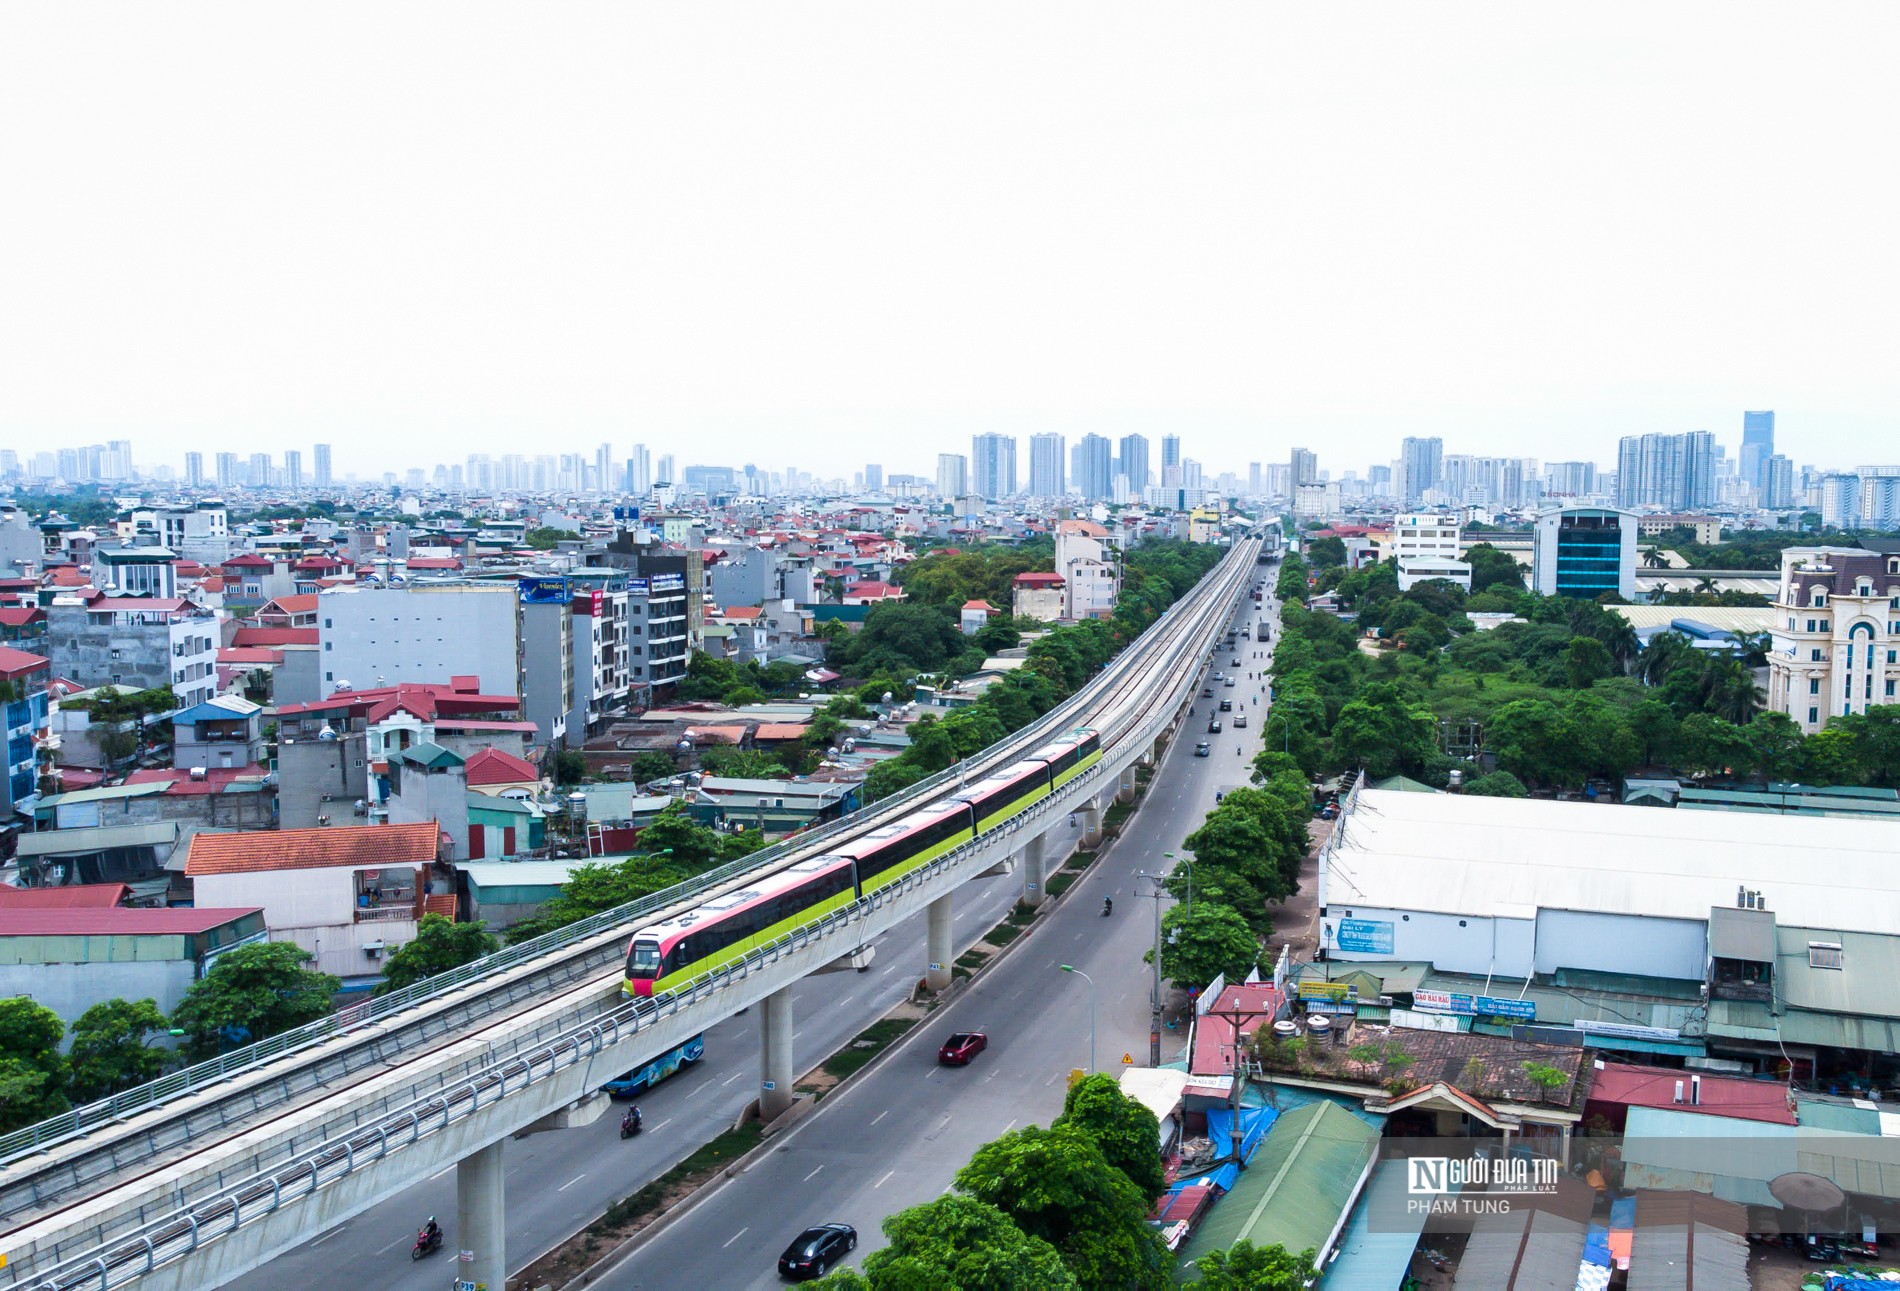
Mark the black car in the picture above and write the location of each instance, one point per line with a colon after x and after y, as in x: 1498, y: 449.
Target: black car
x: 814, y: 1251
x: 1213, y: 726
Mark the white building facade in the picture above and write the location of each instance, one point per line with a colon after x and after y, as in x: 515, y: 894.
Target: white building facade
x: 1836, y: 637
x: 1428, y: 546
x: 375, y: 637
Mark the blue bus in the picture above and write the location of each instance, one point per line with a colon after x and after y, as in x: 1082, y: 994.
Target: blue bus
x: 643, y: 1078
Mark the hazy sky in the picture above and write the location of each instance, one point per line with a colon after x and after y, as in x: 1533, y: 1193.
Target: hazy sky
x: 824, y: 234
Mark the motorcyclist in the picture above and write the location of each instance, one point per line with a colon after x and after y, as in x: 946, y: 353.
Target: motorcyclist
x: 431, y: 1232
x: 1108, y: 905
x: 631, y: 1121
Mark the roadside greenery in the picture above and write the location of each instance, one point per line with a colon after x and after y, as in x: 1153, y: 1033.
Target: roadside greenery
x: 439, y: 945
x: 252, y: 993
x: 1059, y: 663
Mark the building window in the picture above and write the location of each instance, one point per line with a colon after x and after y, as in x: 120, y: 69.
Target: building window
x: 1814, y: 655
x: 1814, y: 715
x: 1824, y: 954
x: 1814, y: 685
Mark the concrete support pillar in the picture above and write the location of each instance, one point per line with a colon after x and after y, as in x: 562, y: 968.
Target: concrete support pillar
x: 1035, y: 870
x: 939, y: 947
x: 1125, y: 785
x: 1091, y: 825
x: 775, y: 1055
x: 477, y: 1244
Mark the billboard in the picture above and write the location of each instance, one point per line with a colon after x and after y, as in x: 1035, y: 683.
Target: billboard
x: 542, y: 591
x: 1483, y: 1006
x: 1364, y: 936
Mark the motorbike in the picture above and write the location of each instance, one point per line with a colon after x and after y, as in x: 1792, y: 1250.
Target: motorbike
x: 427, y: 1243
x: 1108, y: 907
x: 630, y: 1124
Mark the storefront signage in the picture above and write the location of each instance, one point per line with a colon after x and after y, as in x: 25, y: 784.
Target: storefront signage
x: 1335, y: 992
x: 1364, y: 936
x: 1483, y: 1006
x: 1626, y: 1030
x: 542, y: 591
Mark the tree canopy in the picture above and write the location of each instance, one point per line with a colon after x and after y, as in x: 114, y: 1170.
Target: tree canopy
x: 439, y: 945
x: 251, y: 993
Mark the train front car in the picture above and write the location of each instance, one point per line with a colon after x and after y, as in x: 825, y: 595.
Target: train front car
x: 724, y: 930
x: 887, y: 854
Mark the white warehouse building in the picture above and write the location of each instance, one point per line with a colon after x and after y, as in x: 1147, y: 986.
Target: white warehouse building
x: 1507, y: 888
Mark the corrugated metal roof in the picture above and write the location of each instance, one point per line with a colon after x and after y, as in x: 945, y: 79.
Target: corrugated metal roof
x: 1480, y: 856
x: 1537, y: 1246
x: 1687, y: 1231
x: 1380, y: 1257
x: 492, y: 874
x: 1297, y: 1187
x: 93, y: 838
x: 118, y: 921
x: 1866, y: 983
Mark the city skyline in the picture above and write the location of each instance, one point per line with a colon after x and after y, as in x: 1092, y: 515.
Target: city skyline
x: 1056, y: 246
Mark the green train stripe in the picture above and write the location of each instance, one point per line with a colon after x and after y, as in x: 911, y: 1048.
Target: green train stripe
x: 1036, y: 794
x: 885, y: 878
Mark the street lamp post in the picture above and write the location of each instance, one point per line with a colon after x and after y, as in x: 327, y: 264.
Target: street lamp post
x: 1189, y: 866
x: 1070, y: 968
x: 1285, y: 729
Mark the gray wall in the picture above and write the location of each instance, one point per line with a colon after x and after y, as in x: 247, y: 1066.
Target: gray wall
x: 71, y: 989
x: 308, y: 769
x: 382, y: 636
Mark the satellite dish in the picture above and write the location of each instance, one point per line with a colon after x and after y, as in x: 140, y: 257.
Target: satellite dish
x: 327, y: 733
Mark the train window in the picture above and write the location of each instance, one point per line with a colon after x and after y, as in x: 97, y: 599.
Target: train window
x: 645, y: 960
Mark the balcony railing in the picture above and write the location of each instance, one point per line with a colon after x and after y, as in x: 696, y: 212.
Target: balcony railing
x: 401, y: 913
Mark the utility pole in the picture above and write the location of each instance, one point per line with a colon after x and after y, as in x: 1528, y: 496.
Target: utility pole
x: 1154, y: 994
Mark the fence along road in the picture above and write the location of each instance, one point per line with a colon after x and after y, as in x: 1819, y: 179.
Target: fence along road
x: 1116, y: 701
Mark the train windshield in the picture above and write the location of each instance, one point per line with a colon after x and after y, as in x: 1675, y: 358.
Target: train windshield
x: 644, y: 959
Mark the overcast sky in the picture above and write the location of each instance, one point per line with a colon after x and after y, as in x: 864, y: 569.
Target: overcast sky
x: 825, y: 234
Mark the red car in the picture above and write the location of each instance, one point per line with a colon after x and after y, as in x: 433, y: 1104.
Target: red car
x: 961, y: 1047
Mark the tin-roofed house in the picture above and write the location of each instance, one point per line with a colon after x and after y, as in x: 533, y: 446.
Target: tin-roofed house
x: 71, y: 958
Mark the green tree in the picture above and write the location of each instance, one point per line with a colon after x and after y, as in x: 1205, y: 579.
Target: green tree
x: 1323, y: 552
x: 1056, y: 1185
x: 594, y: 888
x: 1655, y: 729
x: 740, y: 843
x: 1499, y: 784
x: 1246, y: 1267
x: 675, y: 833
x: 1708, y: 745
x: 1493, y: 568
x: 1385, y: 732
x: 957, y: 1241
x: 1122, y: 1127
x: 647, y: 766
x: 252, y: 993
x: 570, y: 768
x: 548, y: 539
x: 1775, y: 745
x: 1536, y: 741
x: 32, y: 1069
x: 741, y: 764
x: 109, y: 1049
x: 1586, y: 662
x: 1201, y: 941
x: 439, y: 945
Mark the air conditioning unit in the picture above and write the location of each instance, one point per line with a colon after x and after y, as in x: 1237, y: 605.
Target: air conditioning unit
x: 374, y: 949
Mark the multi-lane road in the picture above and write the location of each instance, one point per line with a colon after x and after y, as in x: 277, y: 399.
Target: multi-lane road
x: 891, y: 1138
x: 558, y: 1181
x: 897, y: 1135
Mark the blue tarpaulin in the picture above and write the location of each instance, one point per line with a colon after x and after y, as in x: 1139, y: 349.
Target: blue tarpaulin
x: 1222, y: 1178
x: 1623, y: 1212
x: 1254, y: 1124
x: 1596, y: 1245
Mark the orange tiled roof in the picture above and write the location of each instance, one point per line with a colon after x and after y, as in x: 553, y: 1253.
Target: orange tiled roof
x: 497, y: 766
x: 311, y: 849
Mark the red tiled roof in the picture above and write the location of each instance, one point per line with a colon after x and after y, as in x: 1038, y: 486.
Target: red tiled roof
x: 303, y: 603
x: 442, y: 903
x: 14, y: 662
x: 19, y: 616
x: 274, y: 636
x: 312, y: 849
x: 80, y: 896
x: 433, y: 562
x: 979, y: 605
x: 119, y: 922
x: 67, y: 576
x: 1628, y: 1085
x: 780, y: 731
x: 249, y: 560
x: 496, y: 766
x: 249, y: 654
x: 1039, y: 580
x: 742, y: 612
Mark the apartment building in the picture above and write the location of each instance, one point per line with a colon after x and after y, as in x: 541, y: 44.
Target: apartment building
x: 386, y: 636
x: 1836, y: 633
x: 141, y: 641
x: 1429, y: 547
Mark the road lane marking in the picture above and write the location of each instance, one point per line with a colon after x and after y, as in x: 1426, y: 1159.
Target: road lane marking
x: 729, y: 1079
x: 881, y: 1182
x: 570, y: 1183
x: 662, y: 1125
x: 333, y: 1232
x: 730, y: 1240
x: 808, y: 1178
x: 1010, y: 1126
x: 880, y: 1116
x: 393, y: 1245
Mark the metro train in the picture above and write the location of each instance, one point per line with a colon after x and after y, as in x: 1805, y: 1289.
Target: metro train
x: 726, y: 928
